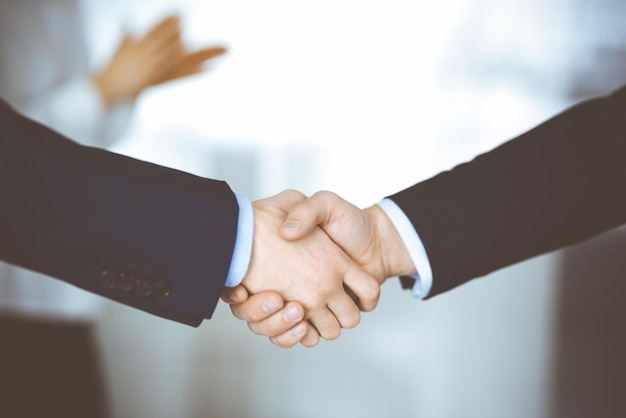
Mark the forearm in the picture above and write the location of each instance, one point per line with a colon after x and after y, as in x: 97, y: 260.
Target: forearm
x: 394, y: 255
x: 556, y: 185
x: 73, y: 212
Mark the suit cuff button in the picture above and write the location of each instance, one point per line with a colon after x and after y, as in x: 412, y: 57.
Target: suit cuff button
x: 107, y: 279
x: 143, y: 288
x: 161, y: 289
x: 126, y: 282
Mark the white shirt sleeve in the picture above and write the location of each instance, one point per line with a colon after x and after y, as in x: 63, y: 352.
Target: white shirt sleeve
x: 413, y: 243
x: 243, y: 242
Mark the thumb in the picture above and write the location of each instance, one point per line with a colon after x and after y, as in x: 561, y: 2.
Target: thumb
x: 127, y: 38
x: 234, y: 295
x: 306, y: 215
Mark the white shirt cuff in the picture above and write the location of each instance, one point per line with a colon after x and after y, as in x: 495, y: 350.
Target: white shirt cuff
x: 413, y: 243
x: 243, y: 242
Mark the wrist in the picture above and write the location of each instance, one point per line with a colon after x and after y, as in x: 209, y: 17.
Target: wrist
x: 395, y: 257
x: 112, y: 89
x: 102, y: 84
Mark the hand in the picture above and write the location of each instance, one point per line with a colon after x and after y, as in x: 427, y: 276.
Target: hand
x: 190, y: 63
x: 367, y: 236
x: 312, y: 270
x: 268, y: 315
x: 157, y: 57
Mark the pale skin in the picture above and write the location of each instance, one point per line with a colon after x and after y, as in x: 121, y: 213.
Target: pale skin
x: 367, y: 236
x: 157, y: 57
x: 329, y: 287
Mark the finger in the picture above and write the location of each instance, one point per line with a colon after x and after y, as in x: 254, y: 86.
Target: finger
x: 202, y: 55
x: 162, y: 48
x: 191, y: 64
x: 326, y: 324
x: 345, y: 311
x: 288, y: 198
x: 258, y: 306
x: 280, y: 321
x: 293, y: 336
x: 304, y: 217
x: 362, y: 286
x: 163, y: 30
x: 311, y: 338
x: 166, y: 54
x: 234, y: 295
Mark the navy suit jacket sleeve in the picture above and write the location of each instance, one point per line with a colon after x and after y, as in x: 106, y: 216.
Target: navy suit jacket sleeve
x: 556, y: 185
x: 147, y: 236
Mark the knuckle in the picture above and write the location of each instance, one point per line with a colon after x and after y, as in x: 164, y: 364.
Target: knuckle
x: 327, y: 288
x: 254, y: 316
x: 255, y: 328
x: 370, y: 298
x: 236, y: 312
x: 326, y: 194
x: 247, y: 315
x: 295, y: 193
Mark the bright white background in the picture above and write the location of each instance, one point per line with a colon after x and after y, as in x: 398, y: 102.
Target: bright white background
x: 363, y: 98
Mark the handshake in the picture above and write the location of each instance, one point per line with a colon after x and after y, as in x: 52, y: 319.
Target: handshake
x: 316, y: 263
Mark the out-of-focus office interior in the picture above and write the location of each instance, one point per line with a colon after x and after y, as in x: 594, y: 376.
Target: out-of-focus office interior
x: 365, y: 98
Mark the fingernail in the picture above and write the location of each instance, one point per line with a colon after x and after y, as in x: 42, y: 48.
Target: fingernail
x: 298, y: 330
x: 292, y: 314
x: 292, y: 224
x: 268, y: 306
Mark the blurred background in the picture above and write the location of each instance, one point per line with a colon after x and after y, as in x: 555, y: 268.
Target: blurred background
x: 365, y: 98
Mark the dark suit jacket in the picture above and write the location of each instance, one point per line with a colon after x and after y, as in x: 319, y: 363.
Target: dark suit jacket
x: 556, y: 185
x: 150, y: 237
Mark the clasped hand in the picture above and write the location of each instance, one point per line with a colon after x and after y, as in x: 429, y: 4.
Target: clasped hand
x: 316, y: 264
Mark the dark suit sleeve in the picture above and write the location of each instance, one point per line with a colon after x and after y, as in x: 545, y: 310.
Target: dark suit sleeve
x: 556, y: 185
x: 147, y: 236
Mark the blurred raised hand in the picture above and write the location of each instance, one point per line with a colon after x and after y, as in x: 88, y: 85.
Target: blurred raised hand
x: 157, y: 57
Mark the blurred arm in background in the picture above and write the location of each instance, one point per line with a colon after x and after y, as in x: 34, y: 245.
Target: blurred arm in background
x: 155, y: 58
